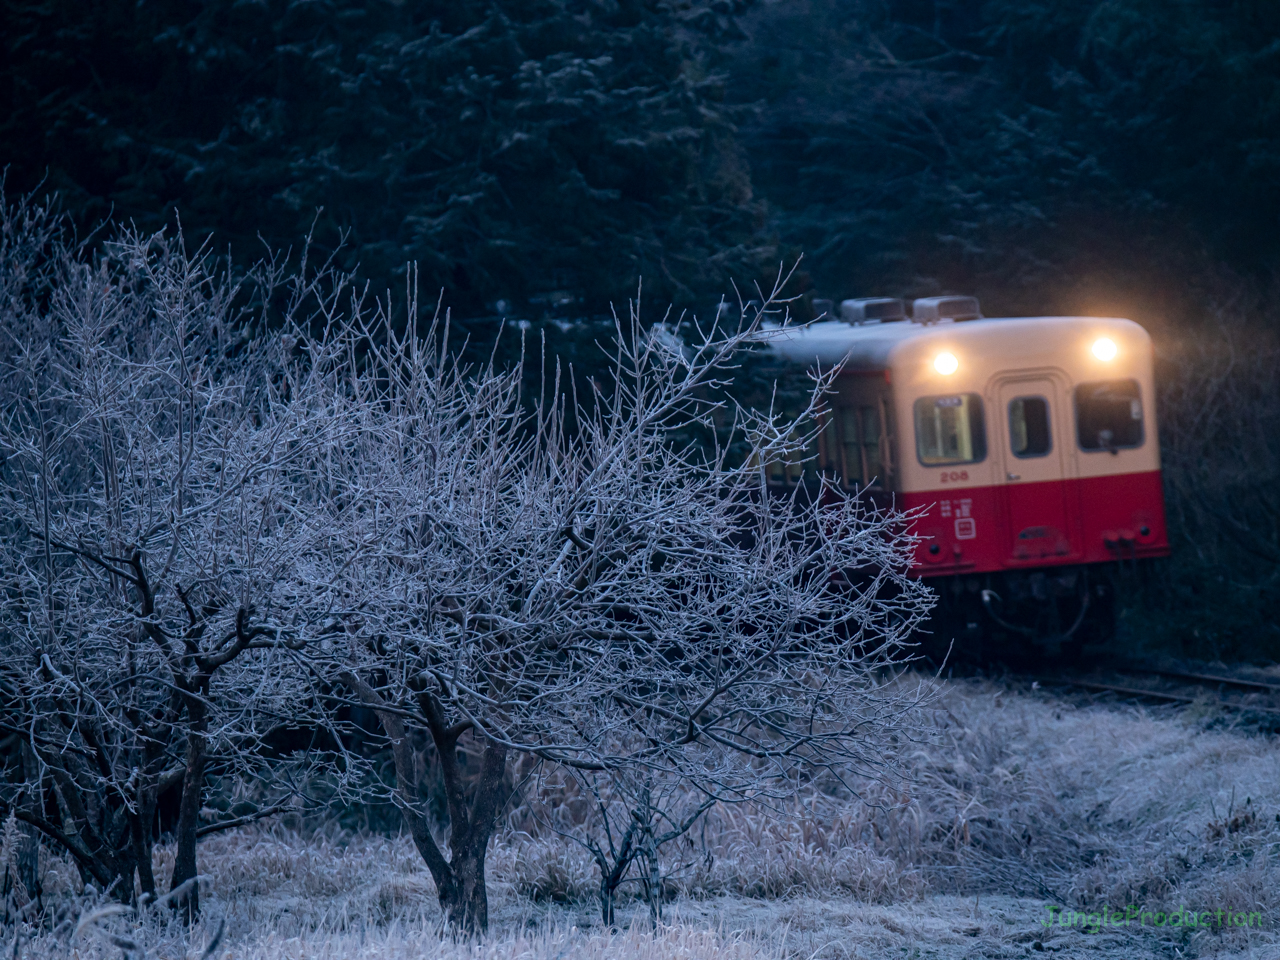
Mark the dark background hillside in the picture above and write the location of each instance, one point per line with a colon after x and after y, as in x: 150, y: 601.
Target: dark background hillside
x: 1047, y: 156
x: 517, y: 151
x: 535, y: 158
x: 1114, y: 158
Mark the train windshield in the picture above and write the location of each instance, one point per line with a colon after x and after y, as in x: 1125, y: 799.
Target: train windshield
x: 1109, y: 415
x: 950, y: 429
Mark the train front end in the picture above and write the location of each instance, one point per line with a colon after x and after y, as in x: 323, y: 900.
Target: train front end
x: 1029, y: 443
x: 1025, y: 447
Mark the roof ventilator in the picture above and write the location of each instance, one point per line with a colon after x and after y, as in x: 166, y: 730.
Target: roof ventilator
x: 823, y: 309
x: 936, y: 309
x: 872, y: 310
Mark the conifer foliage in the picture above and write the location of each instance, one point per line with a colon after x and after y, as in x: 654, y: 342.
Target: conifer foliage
x: 546, y: 149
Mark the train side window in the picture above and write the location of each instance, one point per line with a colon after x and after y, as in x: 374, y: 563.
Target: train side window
x: 862, y: 441
x: 873, y: 469
x: 887, y: 438
x: 829, y: 445
x: 851, y: 445
x: 950, y: 429
x: 1029, y: 427
x: 1109, y: 415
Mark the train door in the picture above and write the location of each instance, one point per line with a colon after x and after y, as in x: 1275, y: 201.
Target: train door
x: 1038, y: 510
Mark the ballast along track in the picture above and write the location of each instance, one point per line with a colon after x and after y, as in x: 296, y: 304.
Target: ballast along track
x: 1246, y: 695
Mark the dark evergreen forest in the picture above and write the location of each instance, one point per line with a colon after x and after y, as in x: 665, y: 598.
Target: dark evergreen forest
x: 536, y: 158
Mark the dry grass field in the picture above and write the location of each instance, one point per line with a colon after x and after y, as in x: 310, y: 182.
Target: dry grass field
x: 1015, y: 801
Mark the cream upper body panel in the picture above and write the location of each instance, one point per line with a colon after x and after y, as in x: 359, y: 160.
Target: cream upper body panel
x: 862, y: 347
x: 988, y: 355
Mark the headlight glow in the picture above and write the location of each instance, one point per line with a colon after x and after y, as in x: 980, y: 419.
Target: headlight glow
x: 946, y: 364
x: 1104, y: 348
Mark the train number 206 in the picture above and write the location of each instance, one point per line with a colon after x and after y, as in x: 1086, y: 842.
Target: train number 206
x: 954, y: 476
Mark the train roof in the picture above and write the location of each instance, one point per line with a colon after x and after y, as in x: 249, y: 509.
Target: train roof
x: 873, y: 346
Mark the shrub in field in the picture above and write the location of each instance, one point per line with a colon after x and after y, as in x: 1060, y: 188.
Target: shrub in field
x: 632, y: 815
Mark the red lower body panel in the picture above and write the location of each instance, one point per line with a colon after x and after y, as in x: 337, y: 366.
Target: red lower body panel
x: 1022, y: 526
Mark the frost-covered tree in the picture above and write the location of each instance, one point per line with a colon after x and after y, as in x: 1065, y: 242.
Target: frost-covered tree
x: 154, y: 489
x: 569, y: 579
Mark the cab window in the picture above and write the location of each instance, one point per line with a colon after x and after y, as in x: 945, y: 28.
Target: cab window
x: 950, y: 429
x: 1029, y: 427
x: 1109, y: 415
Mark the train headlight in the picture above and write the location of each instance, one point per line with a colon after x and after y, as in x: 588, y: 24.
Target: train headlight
x: 1104, y: 348
x: 946, y: 364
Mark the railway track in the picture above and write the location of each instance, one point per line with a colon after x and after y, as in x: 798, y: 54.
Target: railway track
x: 1239, y: 694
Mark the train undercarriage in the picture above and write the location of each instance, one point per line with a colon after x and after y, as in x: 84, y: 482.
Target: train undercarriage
x: 1024, y: 616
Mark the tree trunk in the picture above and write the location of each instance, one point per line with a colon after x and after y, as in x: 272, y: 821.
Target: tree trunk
x: 140, y: 826
x: 613, y: 870
x: 461, y: 888
x: 465, y: 901
x: 470, y: 823
x: 28, y: 857
x: 653, y: 887
x: 460, y: 879
x: 606, y: 903
x: 184, y: 864
x: 649, y: 853
x: 29, y: 842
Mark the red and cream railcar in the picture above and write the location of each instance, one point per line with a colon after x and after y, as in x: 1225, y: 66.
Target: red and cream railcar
x: 1025, y: 443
